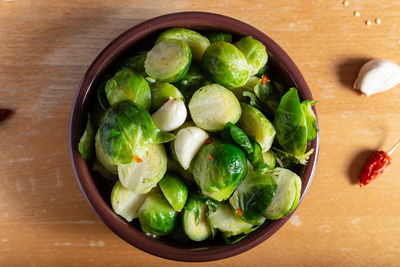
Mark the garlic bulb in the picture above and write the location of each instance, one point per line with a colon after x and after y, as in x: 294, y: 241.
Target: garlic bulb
x: 170, y: 115
x: 377, y: 76
x: 187, y: 143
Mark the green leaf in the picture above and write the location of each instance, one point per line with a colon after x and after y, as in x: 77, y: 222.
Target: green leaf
x: 311, y: 120
x: 86, y: 143
x: 233, y: 133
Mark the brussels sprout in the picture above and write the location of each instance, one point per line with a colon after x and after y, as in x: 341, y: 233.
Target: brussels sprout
x: 249, y: 86
x: 291, y: 125
x: 287, y: 194
x: 214, y: 37
x: 252, y: 196
x: 193, y: 80
x: 126, y: 129
x: 227, y: 222
x: 161, y: 92
x: 148, y: 168
x: 232, y: 133
x: 128, y: 85
x: 171, y: 115
x: 269, y: 92
x: 254, y: 52
x: 174, y: 190
x: 86, y: 143
x: 104, y: 173
x: 269, y: 159
x: 226, y: 65
x: 218, y: 168
x: 194, y: 219
x: 134, y: 62
x: 311, y: 120
x: 255, y: 102
x: 102, y: 157
x: 156, y: 216
x: 187, y: 143
x: 168, y: 60
x: 197, y: 42
x: 126, y: 203
x: 254, y: 123
x: 213, y: 106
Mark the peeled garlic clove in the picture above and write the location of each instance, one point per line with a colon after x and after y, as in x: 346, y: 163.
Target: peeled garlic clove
x: 170, y: 115
x: 187, y: 143
x: 377, y: 76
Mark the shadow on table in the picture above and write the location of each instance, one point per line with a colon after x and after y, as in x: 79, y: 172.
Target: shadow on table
x: 347, y: 70
x: 356, y: 165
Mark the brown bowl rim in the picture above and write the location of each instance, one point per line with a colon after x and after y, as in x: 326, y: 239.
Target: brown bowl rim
x: 127, y: 232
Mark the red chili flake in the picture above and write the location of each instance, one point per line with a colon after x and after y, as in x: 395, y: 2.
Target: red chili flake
x: 165, y: 101
x: 137, y: 159
x: 208, y: 141
x: 210, y: 157
x: 264, y: 79
x: 239, y: 212
x: 375, y: 166
x: 4, y: 113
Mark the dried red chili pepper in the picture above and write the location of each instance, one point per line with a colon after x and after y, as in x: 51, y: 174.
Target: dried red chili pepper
x: 4, y: 113
x: 375, y: 166
x: 208, y: 141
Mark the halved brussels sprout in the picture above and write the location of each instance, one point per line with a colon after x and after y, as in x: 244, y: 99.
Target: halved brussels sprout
x: 225, y: 64
x: 197, y: 42
x: 161, y: 92
x: 104, y: 173
x: 254, y: 123
x: 102, y: 157
x: 252, y: 196
x: 146, y: 170
x: 128, y: 85
x: 168, y: 60
x: 156, y: 216
x: 126, y: 129
x: 187, y: 143
x: 269, y: 159
x: 214, y: 37
x: 193, y: 80
x: 311, y: 120
x: 287, y: 194
x: 213, y: 106
x: 194, y: 219
x: 227, y: 222
x: 134, y: 62
x: 249, y: 86
x: 86, y: 143
x: 171, y: 115
x: 126, y: 203
x: 174, y: 190
x: 254, y: 52
x: 218, y: 168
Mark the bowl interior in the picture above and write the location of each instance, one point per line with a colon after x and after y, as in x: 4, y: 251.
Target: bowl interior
x: 97, y: 190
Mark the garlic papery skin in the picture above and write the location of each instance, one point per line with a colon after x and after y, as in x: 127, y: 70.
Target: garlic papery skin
x: 187, y: 143
x: 377, y: 76
x: 170, y: 115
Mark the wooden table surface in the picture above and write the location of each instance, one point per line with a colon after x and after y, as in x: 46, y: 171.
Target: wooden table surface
x: 45, y: 48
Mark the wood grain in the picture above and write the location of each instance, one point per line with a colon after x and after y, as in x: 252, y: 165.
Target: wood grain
x: 45, y: 48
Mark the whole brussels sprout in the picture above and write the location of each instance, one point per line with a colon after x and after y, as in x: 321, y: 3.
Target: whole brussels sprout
x: 148, y: 168
x: 213, y: 106
x: 126, y: 129
x: 254, y: 123
x: 161, y: 92
x: 193, y: 80
x: 156, y: 216
x: 197, y: 42
x: 128, y: 85
x: 253, y: 196
x: 134, y: 62
x: 218, y: 168
x: 214, y: 37
x: 255, y: 53
x: 174, y: 190
x: 168, y: 60
x: 225, y: 64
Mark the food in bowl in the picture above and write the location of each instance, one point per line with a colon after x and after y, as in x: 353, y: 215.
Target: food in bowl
x: 199, y: 136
